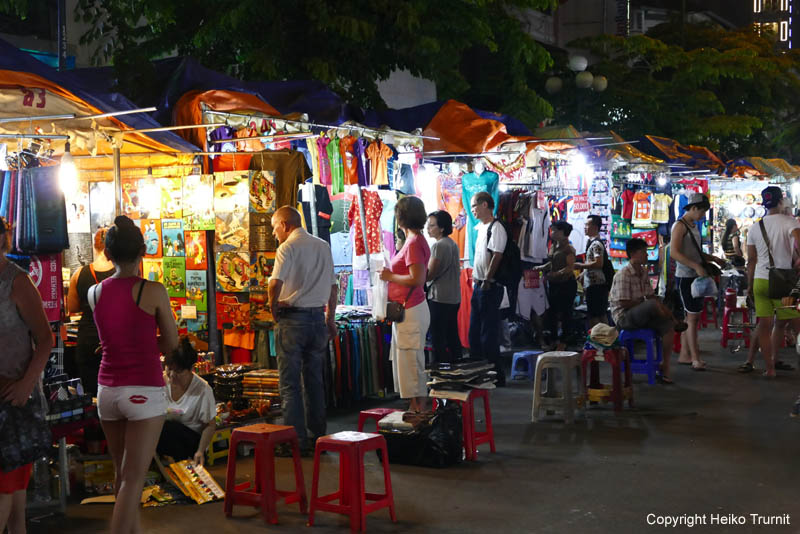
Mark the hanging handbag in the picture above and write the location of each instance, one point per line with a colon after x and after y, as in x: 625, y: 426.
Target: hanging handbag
x: 711, y: 269
x: 781, y: 281
x: 24, y: 434
x: 396, y: 311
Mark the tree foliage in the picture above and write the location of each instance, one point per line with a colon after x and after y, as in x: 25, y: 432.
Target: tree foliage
x: 347, y: 44
x: 728, y: 90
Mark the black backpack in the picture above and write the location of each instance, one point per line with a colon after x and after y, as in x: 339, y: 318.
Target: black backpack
x: 608, y: 268
x: 510, y: 270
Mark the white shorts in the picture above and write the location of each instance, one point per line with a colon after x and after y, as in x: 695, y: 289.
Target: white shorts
x: 132, y: 403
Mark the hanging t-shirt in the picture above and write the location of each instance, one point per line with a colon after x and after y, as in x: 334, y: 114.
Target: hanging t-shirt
x: 379, y: 154
x: 288, y: 169
x: 311, y: 145
x: 337, y: 171
x: 535, y: 249
x: 405, y: 181
x: 360, y: 149
x: 577, y: 213
x: 324, y: 211
x: 373, y: 207
x: 471, y: 183
x: 349, y: 159
x: 660, y: 208
x: 627, y: 204
x: 642, y: 208
x: 324, y: 163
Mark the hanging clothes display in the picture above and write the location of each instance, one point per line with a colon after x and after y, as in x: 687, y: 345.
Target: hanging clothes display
x: 337, y: 169
x: 349, y: 159
x: 373, y: 207
x: 378, y: 154
x: 450, y: 197
x: 324, y: 162
x: 464, y: 311
x: 360, y: 150
x: 324, y: 211
x: 471, y: 184
x: 287, y: 169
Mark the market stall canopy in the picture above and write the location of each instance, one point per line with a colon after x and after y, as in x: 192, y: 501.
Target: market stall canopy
x: 673, y: 152
x: 616, y: 150
x: 742, y: 168
x: 29, y: 88
x: 787, y: 169
x: 461, y: 130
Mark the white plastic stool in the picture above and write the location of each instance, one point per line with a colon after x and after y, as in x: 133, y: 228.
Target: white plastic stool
x: 572, y: 394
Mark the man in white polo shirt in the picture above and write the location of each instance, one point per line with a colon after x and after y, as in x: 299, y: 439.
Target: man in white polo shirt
x: 301, y: 285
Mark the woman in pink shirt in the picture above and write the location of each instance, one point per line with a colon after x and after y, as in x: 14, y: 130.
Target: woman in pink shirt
x: 406, y: 276
x: 135, y: 324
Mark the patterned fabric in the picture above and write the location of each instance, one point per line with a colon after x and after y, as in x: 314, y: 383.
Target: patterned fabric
x: 594, y: 277
x: 373, y: 207
x: 14, y: 335
x: 628, y: 285
x: 324, y: 162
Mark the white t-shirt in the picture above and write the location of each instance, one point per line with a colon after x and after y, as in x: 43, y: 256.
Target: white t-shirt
x: 483, y: 256
x: 779, y: 230
x: 196, y: 408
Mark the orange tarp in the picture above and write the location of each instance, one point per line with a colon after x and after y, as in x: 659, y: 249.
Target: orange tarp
x: 461, y: 130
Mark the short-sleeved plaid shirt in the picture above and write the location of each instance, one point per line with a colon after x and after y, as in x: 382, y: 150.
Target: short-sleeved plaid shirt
x: 628, y: 285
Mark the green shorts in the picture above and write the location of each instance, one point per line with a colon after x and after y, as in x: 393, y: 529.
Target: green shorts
x: 766, y: 307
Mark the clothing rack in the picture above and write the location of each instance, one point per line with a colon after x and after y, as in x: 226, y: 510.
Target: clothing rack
x: 318, y: 125
x: 287, y: 137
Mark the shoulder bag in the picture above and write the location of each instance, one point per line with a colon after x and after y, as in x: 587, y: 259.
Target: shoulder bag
x: 396, y: 311
x: 711, y: 269
x: 781, y: 281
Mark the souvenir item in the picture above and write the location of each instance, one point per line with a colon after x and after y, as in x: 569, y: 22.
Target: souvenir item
x: 151, y: 231
x: 197, y: 290
x: 233, y: 270
x: 172, y: 237
x: 198, y: 202
x: 175, y: 276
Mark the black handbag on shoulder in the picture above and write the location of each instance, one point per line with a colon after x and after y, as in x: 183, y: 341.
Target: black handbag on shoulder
x: 781, y: 281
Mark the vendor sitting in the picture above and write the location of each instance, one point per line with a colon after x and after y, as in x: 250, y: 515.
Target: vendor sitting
x: 190, y: 414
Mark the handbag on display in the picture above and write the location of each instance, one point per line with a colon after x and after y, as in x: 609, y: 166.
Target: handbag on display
x: 45, y: 221
x: 781, y: 281
x: 396, y: 311
x: 711, y: 269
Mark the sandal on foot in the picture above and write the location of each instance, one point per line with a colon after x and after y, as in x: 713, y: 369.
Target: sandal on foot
x: 664, y: 379
x: 746, y: 367
x: 698, y: 367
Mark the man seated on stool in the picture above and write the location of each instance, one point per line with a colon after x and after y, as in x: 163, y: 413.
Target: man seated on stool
x: 634, y: 304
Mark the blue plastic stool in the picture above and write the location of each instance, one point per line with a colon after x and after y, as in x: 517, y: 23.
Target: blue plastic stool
x: 648, y: 366
x: 529, y: 358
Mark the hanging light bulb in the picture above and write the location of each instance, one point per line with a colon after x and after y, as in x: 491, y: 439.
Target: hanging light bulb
x: 68, y: 174
x: 662, y: 181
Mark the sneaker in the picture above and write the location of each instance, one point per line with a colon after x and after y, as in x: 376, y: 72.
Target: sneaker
x: 795, y: 409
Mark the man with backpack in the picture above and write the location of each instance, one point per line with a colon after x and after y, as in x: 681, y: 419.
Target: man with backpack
x: 598, y: 273
x: 487, y: 293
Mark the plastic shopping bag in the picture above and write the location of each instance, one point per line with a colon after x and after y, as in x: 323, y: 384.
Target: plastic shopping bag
x: 380, y: 296
x: 704, y: 286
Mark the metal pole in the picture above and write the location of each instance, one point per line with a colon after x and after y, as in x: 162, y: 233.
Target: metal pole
x: 117, y: 182
x: 363, y: 226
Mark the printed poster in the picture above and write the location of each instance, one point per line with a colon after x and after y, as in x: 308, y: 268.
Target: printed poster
x: 130, y: 198
x: 196, y: 250
x: 101, y: 205
x: 198, y: 325
x: 171, y: 190
x: 78, y: 220
x: 153, y: 270
x: 233, y: 310
x: 259, y: 307
x: 172, y: 237
x: 45, y: 273
x: 80, y: 251
x: 232, y: 232
x: 231, y: 192
x: 149, y: 199
x: 151, y: 231
x: 262, y: 191
x: 197, y: 290
x: 180, y: 322
x: 198, y: 202
x: 175, y: 277
x: 233, y: 271
x: 261, y: 264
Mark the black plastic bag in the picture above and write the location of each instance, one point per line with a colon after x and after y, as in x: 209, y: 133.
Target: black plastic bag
x: 438, y: 443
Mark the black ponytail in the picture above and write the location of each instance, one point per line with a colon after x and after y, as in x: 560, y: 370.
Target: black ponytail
x: 184, y: 357
x: 124, y: 241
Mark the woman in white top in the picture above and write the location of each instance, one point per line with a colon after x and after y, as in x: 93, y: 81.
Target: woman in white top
x: 191, y: 411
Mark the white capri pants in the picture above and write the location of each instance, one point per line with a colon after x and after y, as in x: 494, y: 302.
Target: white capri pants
x: 408, y: 352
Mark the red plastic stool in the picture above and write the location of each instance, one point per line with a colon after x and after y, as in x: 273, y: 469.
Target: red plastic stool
x: 728, y: 314
x: 264, y: 495
x: 375, y: 414
x: 619, y: 390
x: 351, y: 494
x: 704, y: 321
x: 471, y: 437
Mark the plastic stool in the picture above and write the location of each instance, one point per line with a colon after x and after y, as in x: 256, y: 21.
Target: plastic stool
x: 731, y: 308
x: 619, y: 390
x: 470, y: 437
x: 264, y: 495
x: 703, y: 322
x: 566, y: 362
x: 528, y: 358
x: 375, y: 414
x: 648, y: 366
x: 351, y: 494
x: 222, y: 435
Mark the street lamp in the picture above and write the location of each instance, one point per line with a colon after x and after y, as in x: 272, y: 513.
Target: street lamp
x: 583, y: 80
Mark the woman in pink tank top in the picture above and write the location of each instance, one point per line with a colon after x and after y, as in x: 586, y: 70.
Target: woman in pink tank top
x: 135, y: 325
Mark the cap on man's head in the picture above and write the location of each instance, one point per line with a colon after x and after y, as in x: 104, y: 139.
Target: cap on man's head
x: 771, y: 197
x: 699, y: 200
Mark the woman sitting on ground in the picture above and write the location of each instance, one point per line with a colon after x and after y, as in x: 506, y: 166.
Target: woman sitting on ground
x: 191, y: 411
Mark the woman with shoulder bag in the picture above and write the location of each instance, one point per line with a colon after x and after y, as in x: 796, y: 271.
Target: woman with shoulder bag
x: 24, y: 321
x: 691, y: 263
x: 406, y: 276
x: 444, y: 291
